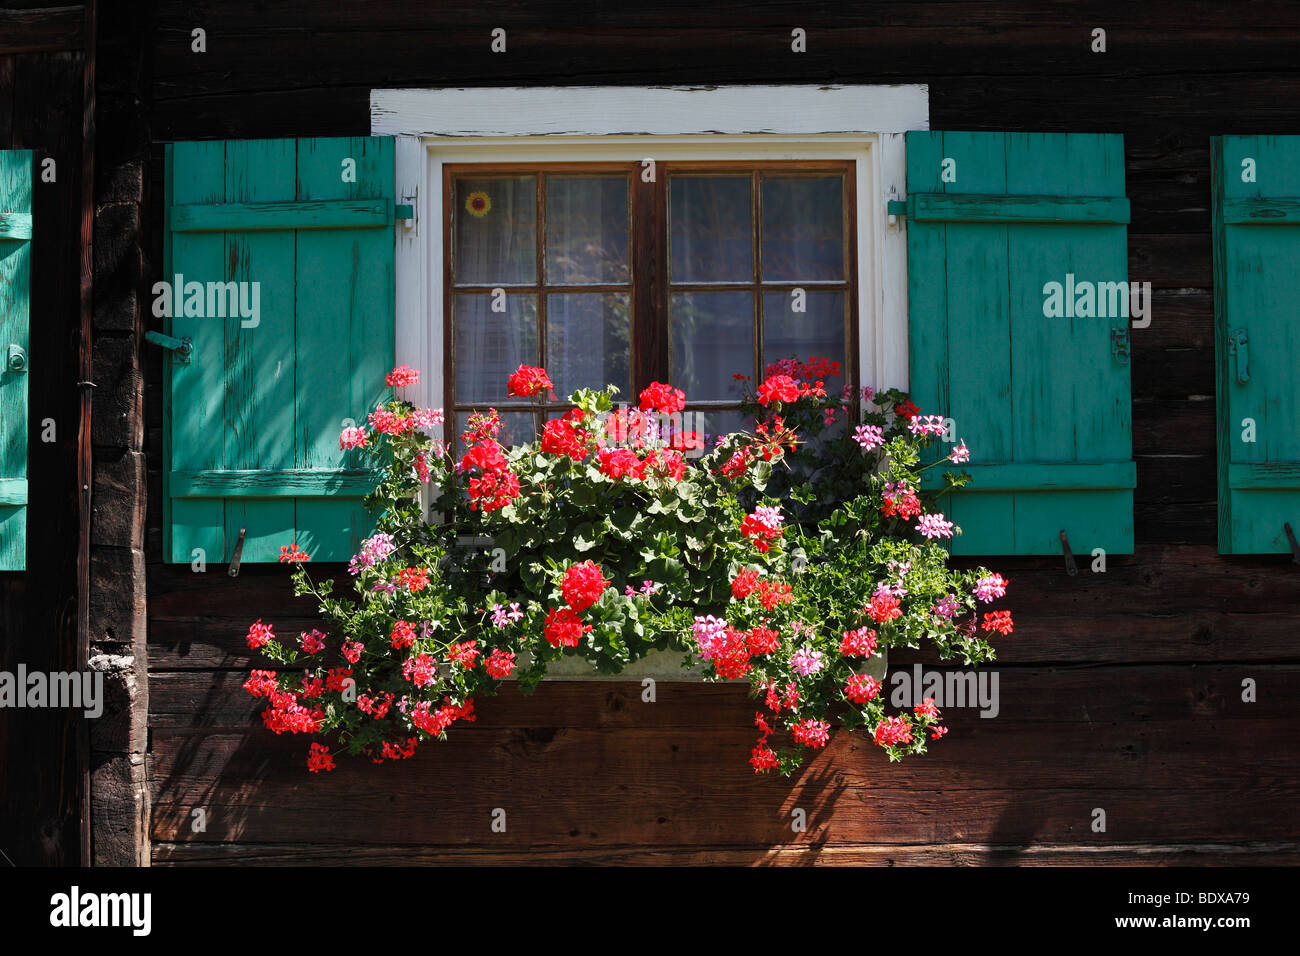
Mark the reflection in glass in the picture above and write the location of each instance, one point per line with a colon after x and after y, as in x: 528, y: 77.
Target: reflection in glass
x: 803, y: 228
x: 490, y: 345
x: 588, y: 341
x: 712, y: 339
x: 587, y: 230
x: 711, y: 229
x: 495, y: 231
x: 817, y: 331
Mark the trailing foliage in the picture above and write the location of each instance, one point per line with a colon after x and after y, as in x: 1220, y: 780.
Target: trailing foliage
x: 788, y: 556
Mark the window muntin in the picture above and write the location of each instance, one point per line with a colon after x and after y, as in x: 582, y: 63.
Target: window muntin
x: 708, y: 271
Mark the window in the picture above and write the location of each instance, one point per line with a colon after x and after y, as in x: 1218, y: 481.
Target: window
x: 778, y: 145
x: 694, y: 275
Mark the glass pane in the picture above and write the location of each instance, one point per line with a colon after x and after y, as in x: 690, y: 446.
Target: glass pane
x: 817, y: 332
x: 712, y: 225
x: 495, y: 231
x: 712, y: 337
x: 803, y: 228
x: 490, y: 345
x: 721, y: 421
x: 588, y: 341
x: 587, y: 230
x: 517, y: 428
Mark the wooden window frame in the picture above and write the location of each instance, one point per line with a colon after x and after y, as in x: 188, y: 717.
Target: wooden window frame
x: 650, y: 284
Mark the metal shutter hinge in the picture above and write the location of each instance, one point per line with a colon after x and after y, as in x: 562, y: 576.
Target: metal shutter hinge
x: 1119, y: 345
x: 1237, y: 340
x: 183, y: 348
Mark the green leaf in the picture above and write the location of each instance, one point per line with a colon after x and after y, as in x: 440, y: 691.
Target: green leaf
x: 584, y: 537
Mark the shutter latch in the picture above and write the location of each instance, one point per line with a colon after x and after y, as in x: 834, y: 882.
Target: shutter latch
x: 183, y: 348
x: 1237, y: 348
x: 1119, y: 345
x: 233, y: 571
x: 1070, y: 567
x: 1295, y: 545
x: 16, y: 360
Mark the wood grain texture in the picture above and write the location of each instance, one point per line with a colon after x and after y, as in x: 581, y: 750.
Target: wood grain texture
x: 820, y: 854
x: 44, y: 109
x: 1257, y: 341
x: 252, y: 449
x: 994, y: 219
x: 1169, y: 630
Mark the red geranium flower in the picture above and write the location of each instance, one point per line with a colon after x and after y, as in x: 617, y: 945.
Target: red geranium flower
x: 663, y: 398
x: 564, y: 628
x: 778, y: 388
x: 529, y: 380
x: 583, y: 585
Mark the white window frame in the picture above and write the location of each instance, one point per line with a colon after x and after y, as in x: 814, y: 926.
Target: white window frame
x: 866, y: 124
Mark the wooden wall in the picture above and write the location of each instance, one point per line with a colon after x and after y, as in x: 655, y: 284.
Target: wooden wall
x: 45, y: 66
x: 1119, y: 691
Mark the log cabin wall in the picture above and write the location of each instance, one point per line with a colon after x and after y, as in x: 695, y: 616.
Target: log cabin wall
x: 46, y: 106
x: 1120, y: 690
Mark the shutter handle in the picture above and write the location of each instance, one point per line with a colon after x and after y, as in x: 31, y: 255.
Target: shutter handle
x: 16, y: 361
x: 1237, y: 347
x: 239, y: 551
x: 1290, y: 538
x: 183, y: 348
x: 1070, y: 567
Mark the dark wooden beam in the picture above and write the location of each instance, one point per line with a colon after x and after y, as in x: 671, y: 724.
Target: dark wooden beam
x: 45, y: 30
x: 84, y: 387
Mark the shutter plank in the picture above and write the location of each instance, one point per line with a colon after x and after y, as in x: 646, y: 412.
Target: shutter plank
x: 261, y: 363
x: 345, y: 284
x: 15, y: 312
x: 253, y: 420
x: 1040, y: 401
x: 1257, y: 261
x: 194, y: 413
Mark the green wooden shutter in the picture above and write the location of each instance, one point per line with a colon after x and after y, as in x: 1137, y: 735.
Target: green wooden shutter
x: 15, y: 308
x: 1257, y: 339
x: 1042, y: 402
x: 253, y: 414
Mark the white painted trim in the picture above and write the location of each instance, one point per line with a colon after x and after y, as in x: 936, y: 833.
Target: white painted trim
x: 654, y: 111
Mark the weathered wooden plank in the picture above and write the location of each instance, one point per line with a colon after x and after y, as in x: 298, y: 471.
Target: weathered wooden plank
x: 40, y: 821
x: 302, y: 482
x: 824, y: 854
x: 188, y: 701
x: 15, y: 225
x: 1033, y: 475
x: 288, y: 214
x: 44, y: 30
x: 957, y: 207
x: 1271, y: 211
x: 13, y: 491
x: 1264, y: 475
x: 633, y: 786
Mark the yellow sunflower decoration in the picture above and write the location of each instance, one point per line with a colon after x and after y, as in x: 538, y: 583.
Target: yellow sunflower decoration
x: 478, y: 204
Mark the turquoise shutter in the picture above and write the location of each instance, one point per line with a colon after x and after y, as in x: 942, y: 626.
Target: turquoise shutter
x: 15, y: 307
x: 1042, y: 402
x: 1256, y: 182
x: 253, y: 413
